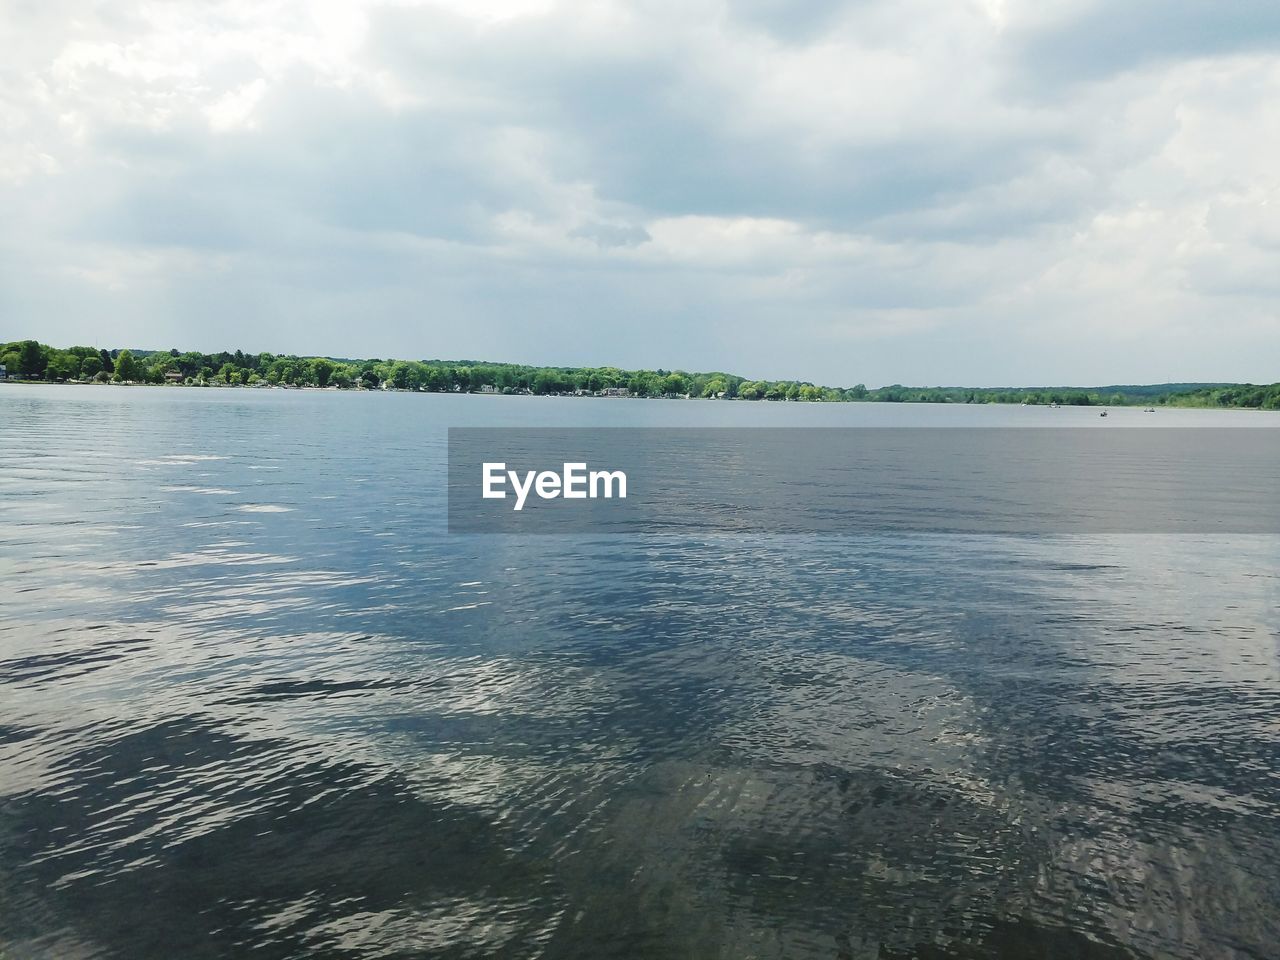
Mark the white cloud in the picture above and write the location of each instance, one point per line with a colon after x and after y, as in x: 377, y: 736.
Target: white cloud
x: 235, y: 109
x: 843, y: 191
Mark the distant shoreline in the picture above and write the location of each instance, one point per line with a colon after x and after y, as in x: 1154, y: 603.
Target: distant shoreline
x: 598, y: 395
x: 38, y: 362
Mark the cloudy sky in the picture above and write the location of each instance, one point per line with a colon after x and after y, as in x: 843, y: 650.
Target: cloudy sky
x: 983, y: 192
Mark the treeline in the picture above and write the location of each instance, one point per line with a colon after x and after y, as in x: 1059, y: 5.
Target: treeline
x: 1229, y: 395
x: 1172, y: 395
x: 31, y: 360
x: 36, y: 361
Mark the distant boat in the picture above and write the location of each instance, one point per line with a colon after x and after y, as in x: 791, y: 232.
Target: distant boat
x: 1103, y: 413
x: 1149, y: 410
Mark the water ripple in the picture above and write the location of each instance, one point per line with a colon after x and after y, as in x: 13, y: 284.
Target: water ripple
x: 231, y: 726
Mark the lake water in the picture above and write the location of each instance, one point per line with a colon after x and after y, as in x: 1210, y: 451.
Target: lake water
x: 255, y: 701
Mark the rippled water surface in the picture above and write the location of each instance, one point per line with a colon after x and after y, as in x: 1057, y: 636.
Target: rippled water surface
x: 256, y: 702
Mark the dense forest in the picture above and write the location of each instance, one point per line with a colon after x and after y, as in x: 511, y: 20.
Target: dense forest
x: 30, y: 360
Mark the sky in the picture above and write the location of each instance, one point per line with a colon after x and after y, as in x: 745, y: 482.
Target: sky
x: 979, y: 193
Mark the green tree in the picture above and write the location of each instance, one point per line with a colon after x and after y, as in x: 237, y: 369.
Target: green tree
x: 127, y: 368
x: 643, y: 384
x: 31, y: 359
x: 675, y: 383
x: 62, y: 366
x: 322, y: 369
x: 401, y: 375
